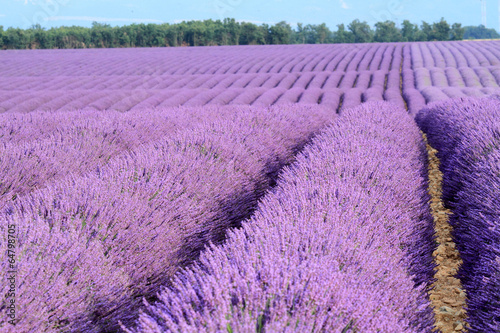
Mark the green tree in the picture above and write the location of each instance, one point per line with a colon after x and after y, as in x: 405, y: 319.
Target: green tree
x: 387, y: 32
x: 280, y: 33
x: 251, y: 34
x: 177, y: 33
x: 300, y: 34
x: 230, y: 32
x: 233, y: 31
x: 441, y: 30
x: 40, y: 38
x: 209, y: 35
x: 426, y: 32
x: 457, y: 31
x: 323, y: 34
x: 361, y: 31
x: 101, y: 35
x: 124, y: 38
x: 266, y: 32
x: 80, y: 37
x: 15, y: 38
x: 58, y: 39
x: 409, y: 31
x: 479, y: 32
x: 342, y: 35
x: 194, y: 32
x: 220, y: 33
x: 311, y: 34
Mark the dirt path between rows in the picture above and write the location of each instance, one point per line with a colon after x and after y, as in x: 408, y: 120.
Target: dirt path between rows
x: 447, y: 296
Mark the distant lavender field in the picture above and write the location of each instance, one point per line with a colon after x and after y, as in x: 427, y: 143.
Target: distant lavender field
x: 119, y: 167
x: 337, y: 76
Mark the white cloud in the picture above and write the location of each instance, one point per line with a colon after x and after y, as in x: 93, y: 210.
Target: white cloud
x: 100, y: 19
x: 343, y: 4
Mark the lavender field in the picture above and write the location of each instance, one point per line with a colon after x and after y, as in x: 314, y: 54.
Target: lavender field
x: 336, y: 76
x: 246, y: 188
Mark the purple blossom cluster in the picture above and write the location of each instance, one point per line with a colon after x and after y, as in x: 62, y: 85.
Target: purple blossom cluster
x: 343, y: 243
x: 42, y: 147
x: 94, y: 241
x: 466, y: 133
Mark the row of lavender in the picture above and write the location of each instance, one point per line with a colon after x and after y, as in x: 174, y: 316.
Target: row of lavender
x: 255, y: 89
x: 466, y: 133
x: 146, y: 100
x: 323, y: 79
x: 98, y: 232
x: 343, y: 243
x: 276, y: 77
x: 136, y: 100
x: 318, y: 60
x: 195, y: 61
x: 42, y: 147
x: 432, y: 72
x: 408, y: 74
x: 480, y: 77
x: 471, y: 77
x: 455, y: 55
x: 244, y: 59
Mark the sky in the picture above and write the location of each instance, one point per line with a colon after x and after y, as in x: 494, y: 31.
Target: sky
x: 54, y: 13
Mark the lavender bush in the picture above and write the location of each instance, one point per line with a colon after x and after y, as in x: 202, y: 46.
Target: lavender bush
x: 144, y: 215
x: 45, y: 146
x: 466, y: 133
x: 343, y: 243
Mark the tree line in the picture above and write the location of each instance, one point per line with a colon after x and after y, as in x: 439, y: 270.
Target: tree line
x: 222, y: 32
x: 480, y: 32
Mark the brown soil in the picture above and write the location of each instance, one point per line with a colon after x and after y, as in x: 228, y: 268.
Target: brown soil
x: 447, y: 296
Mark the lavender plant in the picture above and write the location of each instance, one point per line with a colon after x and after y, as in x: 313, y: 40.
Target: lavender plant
x: 143, y: 215
x: 466, y: 133
x: 343, y: 243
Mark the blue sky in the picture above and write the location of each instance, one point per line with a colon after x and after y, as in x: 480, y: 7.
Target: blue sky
x: 53, y: 13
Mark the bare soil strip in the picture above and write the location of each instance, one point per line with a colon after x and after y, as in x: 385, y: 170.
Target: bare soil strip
x: 447, y: 296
